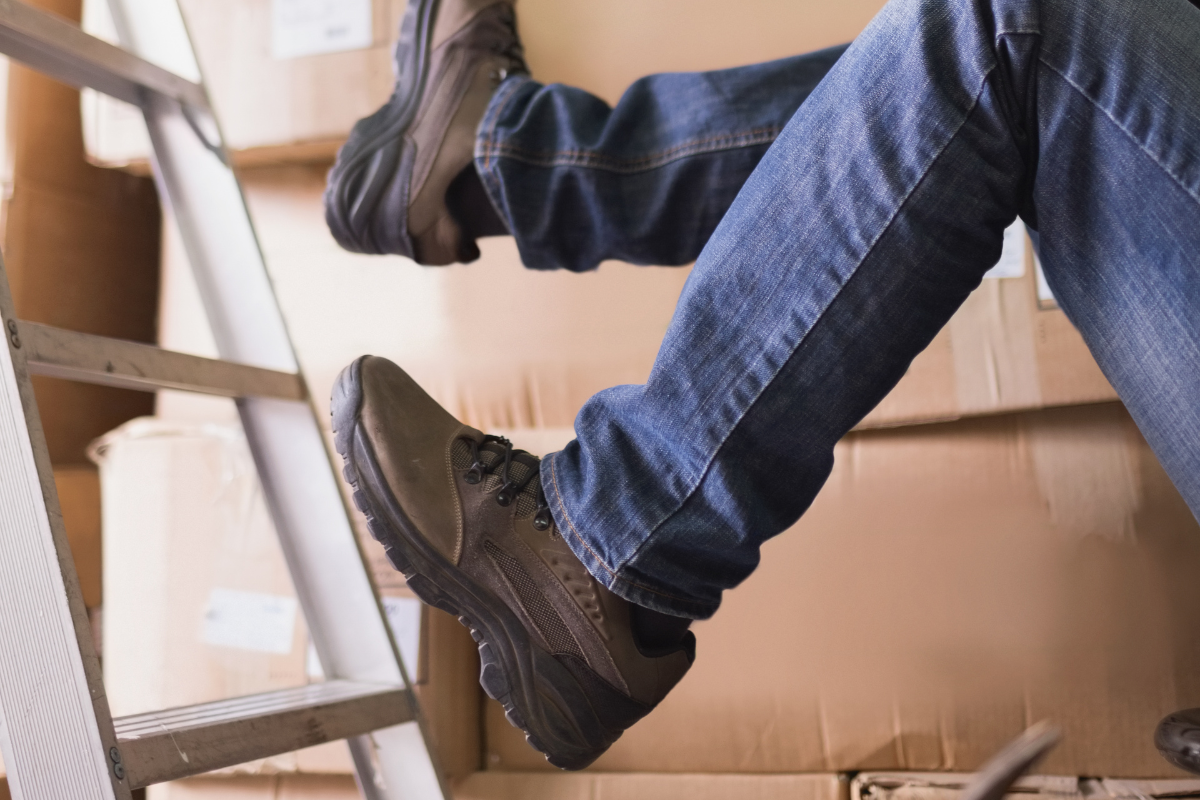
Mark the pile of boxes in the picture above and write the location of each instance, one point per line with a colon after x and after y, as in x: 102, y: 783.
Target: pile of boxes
x: 996, y: 544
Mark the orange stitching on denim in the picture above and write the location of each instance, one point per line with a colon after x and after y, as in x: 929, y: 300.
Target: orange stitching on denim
x: 562, y: 507
x: 487, y: 158
x: 804, y: 338
x: 575, y: 532
x: 587, y: 158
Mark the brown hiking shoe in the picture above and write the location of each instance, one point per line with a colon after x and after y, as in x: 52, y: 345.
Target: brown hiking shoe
x: 387, y: 190
x: 1178, y: 739
x: 463, y: 516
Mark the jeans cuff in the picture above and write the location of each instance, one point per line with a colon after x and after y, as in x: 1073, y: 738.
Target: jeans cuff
x: 485, y: 140
x: 580, y: 543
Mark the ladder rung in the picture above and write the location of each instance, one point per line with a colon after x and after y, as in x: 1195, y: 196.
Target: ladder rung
x: 60, y: 49
x: 59, y: 353
x: 166, y: 745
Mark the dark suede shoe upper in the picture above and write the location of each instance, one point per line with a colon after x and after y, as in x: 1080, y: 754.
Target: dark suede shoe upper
x: 387, y: 190
x: 478, y: 504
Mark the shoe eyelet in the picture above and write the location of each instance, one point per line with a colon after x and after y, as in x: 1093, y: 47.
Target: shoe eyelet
x: 474, y: 475
x: 503, y: 498
x: 541, y: 521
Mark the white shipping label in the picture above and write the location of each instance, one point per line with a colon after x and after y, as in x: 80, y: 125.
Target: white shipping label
x: 309, y: 27
x: 404, y: 618
x: 264, y: 623
x: 1044, y: 295
x: 1012, y: 257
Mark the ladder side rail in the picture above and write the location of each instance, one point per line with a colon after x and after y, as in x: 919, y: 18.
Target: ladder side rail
x: 328, y: 567
x: 58, y: 48
x: 56, y: 731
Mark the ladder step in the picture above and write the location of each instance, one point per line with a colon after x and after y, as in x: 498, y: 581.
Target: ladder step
x: 59, y: 353
x: 59, y: 48
x: 167, y: 745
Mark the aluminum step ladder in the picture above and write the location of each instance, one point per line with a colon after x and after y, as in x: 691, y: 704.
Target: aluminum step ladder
x: 57, y: 735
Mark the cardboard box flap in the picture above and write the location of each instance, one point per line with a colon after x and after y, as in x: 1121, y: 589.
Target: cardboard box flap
x: 948, y: 785
x: 639, y: 786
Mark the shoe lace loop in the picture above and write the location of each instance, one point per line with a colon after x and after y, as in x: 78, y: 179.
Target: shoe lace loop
x: 510, y: 47
x: 509, y: 488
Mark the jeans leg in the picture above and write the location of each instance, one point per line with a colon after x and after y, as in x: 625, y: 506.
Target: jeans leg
x: 579, y: 182
x: 865, y: 226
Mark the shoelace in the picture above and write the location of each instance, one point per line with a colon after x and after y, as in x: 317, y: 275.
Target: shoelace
x: 509, y: 489
x: 511, y: 49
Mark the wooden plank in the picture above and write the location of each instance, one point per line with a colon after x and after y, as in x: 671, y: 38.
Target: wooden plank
x: 83, y: 357
x: 172, y: 744
x: 58, y: 48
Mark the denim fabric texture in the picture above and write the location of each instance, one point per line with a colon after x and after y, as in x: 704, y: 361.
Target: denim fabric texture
x: 646, y: 182
x: 862, y: 229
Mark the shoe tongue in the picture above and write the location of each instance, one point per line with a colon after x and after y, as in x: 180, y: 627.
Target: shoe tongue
x: 492, y: 456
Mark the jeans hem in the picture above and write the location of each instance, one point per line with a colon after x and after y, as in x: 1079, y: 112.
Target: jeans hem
x: 484, y: 136
x: 619, y: 585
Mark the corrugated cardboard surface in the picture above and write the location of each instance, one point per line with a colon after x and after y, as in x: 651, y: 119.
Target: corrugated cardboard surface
x: 585, y: 332
x: 79, y: 498
x: 80, y: 247
x: 1000, y: 352
x: 276, y: 787
x: 949, y: 786
x: 274, y: 108
x: 643, y: 786
x: 530, y: 786
x: 183, y: 516
x: 951, y: 585
x: 302, y: 108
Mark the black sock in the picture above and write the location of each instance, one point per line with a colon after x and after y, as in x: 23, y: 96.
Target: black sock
x: 469, y: 204
x: 656, y: 632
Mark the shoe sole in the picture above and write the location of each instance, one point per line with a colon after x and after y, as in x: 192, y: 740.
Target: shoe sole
x: 540, y: 696
x: 372, y: 137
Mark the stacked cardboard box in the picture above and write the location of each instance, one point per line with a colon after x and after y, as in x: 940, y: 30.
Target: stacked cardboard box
x: 1024, y: 557
x: 952, y: 583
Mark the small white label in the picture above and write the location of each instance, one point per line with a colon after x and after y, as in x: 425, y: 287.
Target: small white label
x: 309, y: 27
x: 1045, y: 296
x: 264, y: 623
x: 404, y: 618
x: 1012, y: 257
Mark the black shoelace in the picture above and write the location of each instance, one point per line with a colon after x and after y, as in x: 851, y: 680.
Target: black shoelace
x: 512, y: 49
x: 509, y: 489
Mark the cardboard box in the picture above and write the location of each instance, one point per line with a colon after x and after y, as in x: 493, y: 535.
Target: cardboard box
x: 951, y: 585
x: 271, y: 108
x: 81, y: 249
x: 1002, y: 351
x: 199, y: 605
x: 276, y: 787
x: 642, y: 786
x: 79, y: 498
x: 301, y: 108
x: 529, y: 786
x: 949, y: 786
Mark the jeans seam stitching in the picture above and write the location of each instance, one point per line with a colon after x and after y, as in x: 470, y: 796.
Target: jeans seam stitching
x: 708, y: 466
x: 595, y: 556
x: 588, y: 159
x: 493, y: 120
x: 1096, y: 104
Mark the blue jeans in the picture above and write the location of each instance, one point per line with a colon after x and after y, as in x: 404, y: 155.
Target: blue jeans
x: 865, y: 224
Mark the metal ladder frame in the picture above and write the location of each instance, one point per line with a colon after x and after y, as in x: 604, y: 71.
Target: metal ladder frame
x: 57, y: 735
